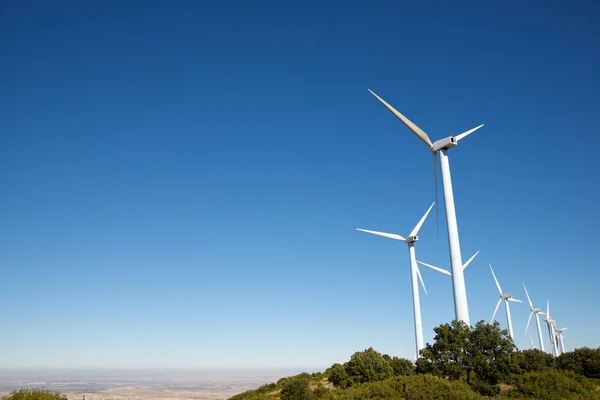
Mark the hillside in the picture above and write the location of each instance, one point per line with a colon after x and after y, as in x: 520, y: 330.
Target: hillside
x: 464, y: 362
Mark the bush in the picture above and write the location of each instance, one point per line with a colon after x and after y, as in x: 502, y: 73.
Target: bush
x: 413, y: 387
x: 321, y: 393
x: 533, y: 360
x: 297, y: 388
x: 401, y: 366
x: 339, y: 376
x: 267, y: 388
x: 34, y: 394
x: 553, y: 385
x: 583, y: 361
x: 368, y: 366
x: 484, y: 388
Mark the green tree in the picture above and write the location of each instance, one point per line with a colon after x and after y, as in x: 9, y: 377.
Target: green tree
x: 400, y: 366
x: 368, y: 366
x: 34, y: 394
x: 461, y: 351
x: 583, y: 361
x: 297, y: 388
x: 339, y: 376
x: 533, y: 360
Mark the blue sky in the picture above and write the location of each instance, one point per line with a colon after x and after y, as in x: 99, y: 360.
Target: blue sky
x: 182, y: 180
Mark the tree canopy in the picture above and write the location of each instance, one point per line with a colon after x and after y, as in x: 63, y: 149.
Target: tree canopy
x: 484, y: 351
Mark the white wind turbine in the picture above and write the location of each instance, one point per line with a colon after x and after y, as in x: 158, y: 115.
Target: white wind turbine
x: 441, y: 146
x: 560, y: 340
x: 506, y: 297
x: 537, y: 312
x: 414, y: 273
x: 551, y: 324
x: 532, y: 344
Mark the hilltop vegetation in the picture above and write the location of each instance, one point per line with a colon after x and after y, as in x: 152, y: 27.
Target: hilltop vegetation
x: 478, y: 362
x: 34, y: 394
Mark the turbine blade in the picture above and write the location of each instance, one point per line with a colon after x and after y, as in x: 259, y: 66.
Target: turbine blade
x: 515, y: 300
x: 465, y: 265
x: 421, y: 279
x: 528, y: 321
x: 387, y: 235
x: 467, y: 133
x: 494, y: 275
x: 528, y: 299
x: 416, y: 229
x: 443, y: 271
x: 496, y: 309
x: 548, y: 308
x: 415, y: 129
x: 531, y: 339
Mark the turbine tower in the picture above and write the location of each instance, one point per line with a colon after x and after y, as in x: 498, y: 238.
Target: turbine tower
x: 537, y: 311
x: 414, y: 273
x: 441, y: 146
x: 551, y: 328
x: 506, y: 297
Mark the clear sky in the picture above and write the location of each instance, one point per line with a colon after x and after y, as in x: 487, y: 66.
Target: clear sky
x: 181, y: 181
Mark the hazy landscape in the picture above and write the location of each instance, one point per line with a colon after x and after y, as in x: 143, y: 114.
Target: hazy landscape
x: 139, y: 384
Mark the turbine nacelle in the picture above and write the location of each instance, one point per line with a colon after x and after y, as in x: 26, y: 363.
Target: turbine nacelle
x: 444, y: 144
x: 412, y: 239
x: 506, y: 296
x: 536, y: 310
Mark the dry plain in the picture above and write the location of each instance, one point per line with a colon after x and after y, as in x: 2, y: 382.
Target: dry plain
x: 141, y: 385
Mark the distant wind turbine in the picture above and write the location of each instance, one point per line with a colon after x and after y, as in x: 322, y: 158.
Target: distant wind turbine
x: 441, y: 146
x: 532, y: 344
x: 551, y: 328
x: 414, y: 271
x: 537, y: 311
x: 560, y: 339
x: 506, y: 297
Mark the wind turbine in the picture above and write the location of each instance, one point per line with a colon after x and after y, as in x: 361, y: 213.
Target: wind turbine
x: 414, y: 273
x: 441, y: 146
x: 532, y: 344
x: 560, y: 339
x: 551, y: 328
x: 537, y: 311
x: 506, y: 297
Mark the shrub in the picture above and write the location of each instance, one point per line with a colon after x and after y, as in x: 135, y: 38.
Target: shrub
x: 368, y: 366
x: 34, y: 394
x: 297, y: 388
x: 413, y: 387
x: 339, y: 376
x: 402, y: 366
x: 583, y: 361
x: 267, y: 388
x: 533, y: 360
x: 553, y: 385
x: 484, y: 388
